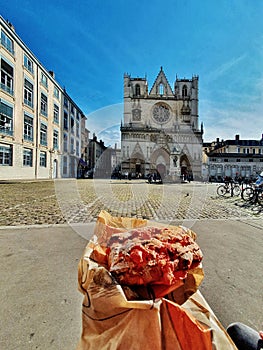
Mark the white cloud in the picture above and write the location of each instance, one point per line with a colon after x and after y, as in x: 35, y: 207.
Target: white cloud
x: 225, y: 123
x: 111, y: 136
x: 104, y: 118
x: 224, y: 68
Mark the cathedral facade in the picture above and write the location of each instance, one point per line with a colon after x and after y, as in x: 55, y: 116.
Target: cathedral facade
x: 160, y: 130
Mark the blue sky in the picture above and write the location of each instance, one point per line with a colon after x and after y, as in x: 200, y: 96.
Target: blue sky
x: 91, y: 44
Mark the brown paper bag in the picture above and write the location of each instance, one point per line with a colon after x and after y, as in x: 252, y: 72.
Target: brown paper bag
x: 111, y: 321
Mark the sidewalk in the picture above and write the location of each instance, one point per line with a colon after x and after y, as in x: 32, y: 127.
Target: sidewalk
x: 41, y: 306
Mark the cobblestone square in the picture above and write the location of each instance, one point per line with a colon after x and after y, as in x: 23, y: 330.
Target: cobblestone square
x: 80, y: 201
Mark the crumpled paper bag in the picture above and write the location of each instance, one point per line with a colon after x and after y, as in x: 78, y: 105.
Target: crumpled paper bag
x: 113, y: 317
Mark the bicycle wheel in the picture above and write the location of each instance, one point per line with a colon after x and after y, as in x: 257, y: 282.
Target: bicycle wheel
x: 221, y: 190
x: 236, y: 190
x: 248, y: 194
x: 260, y: 197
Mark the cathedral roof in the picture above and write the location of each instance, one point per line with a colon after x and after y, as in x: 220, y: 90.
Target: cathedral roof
x: 161, y: 80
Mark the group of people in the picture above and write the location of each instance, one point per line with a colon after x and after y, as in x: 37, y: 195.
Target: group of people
x: 154, y: 177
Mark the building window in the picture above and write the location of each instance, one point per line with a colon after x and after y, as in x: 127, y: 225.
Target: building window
x: 184, y: 91
x: 56, y: 92
x: 78, y: 115
x: 56, y: 114
x: 72, y: 122
x: 55, y: 139
x: 65, y: 143
x: 225, y: 160
x: 28, y: 128
x: 28, y: 93
x: 253, y: 150
x: 43, y: 134
x: 27, y: 157
x: 238, y: 160
x: 43, y: 105
x: 6, y: 119
x: 250, y: 160
x: 137, y: 90
x: 161, y: 89
x: 77, y: 129
x: 7, y: 42
x: 65, y: 120
x: 72, y: 146
x: 77, y: 148
x: 238, y: 149
x: 28, y: 64
x: 213, y: 159
x: 7, y: 77
x: 65, y: 102
x: 44, y: 80
x: 43, y: 159
x: 65, y: 165
x: 6, y: 155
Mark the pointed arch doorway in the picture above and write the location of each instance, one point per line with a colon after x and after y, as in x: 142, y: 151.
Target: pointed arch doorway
x: 185, y: 165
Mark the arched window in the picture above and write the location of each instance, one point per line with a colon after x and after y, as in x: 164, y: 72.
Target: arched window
x: 137, y: 90
x: 184, y: 91
x: 161, y: 89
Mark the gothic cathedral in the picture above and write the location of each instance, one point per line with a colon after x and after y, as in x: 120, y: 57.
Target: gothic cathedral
x: 160, y: 131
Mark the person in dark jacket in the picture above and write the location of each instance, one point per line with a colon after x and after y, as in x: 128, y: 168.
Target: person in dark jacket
x: 245, y: 337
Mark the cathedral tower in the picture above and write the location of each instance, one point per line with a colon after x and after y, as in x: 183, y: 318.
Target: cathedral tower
x: 160, y: 129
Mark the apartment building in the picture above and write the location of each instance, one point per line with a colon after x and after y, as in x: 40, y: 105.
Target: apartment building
x: 234, y: 158
x: 40, y: 125
x: 98, y: 160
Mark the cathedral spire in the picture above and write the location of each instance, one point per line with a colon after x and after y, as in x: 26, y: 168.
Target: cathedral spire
x: 161, y: 86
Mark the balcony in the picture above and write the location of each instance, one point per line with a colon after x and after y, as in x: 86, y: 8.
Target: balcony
x: 8, y: 46
x: 7, y: 89
x: 28, y: 138
x: 28, y: 103
x: 43, y: 142
x: 29, y: 68
x: 6, y: 131
x: 43, y: 112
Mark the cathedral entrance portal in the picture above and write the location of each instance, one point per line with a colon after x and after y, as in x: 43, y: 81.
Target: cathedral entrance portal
x: 138, y: 168
x: 160, y: 161
x: 186, y: 169
x: 161, y: 168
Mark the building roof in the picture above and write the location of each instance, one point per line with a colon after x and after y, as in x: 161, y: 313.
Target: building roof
x: 233, y: 155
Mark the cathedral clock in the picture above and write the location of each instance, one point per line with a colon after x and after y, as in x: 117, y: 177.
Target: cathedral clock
x: 161, y: 113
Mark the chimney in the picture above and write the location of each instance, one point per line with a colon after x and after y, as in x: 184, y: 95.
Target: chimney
x: 10, y: 25
x: 52, y: 73
x: 237, y: 137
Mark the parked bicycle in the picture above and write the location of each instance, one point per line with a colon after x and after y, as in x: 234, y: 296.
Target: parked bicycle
x: 229, y: 189
x: 254, y: 193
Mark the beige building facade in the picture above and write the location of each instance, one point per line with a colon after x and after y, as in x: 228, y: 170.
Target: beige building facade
x: 239, y: 159
x: 40, y: 125
x: 160, y: 129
